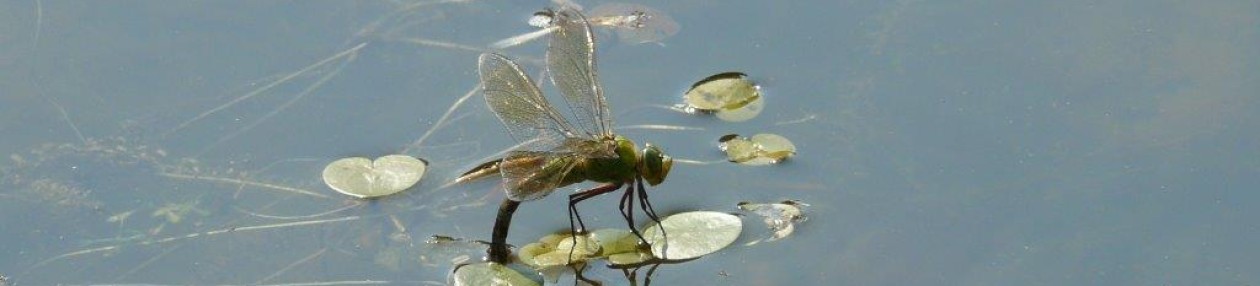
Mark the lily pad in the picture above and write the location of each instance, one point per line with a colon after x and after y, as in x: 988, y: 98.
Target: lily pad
x: 629, y: 258
x: 558, y: 250
x: 744, y: 113
x: 489, y: 273
x: 723, y: 91
x: 634, y: 23
x: 780, y: 217
x: 529, y: 251
x: 364, y: 178
x: 731, y: 96
x: 774, y: 146
x: 693, y: 234
x: 761, y: 149
x: 614, y: 241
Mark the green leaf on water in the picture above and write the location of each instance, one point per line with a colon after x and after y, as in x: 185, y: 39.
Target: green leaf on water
x: 780, y: 217
x: 761, y: 149
x: 723, y: 91
x: 693, y: 234
x: 628, y: 258
x: 489, y: 273
x: 558, y: 250
x: 614, y: 241
x: 364, y: 178
x: 742, y: 113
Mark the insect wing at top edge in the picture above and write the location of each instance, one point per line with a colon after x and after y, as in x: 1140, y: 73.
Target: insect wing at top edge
x: 520, y: 105
x: 571, y: 64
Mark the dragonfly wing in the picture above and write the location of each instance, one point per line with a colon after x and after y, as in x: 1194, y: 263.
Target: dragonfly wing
x: 571, y: 63
x: 532, y: 175
x: 520, y: 105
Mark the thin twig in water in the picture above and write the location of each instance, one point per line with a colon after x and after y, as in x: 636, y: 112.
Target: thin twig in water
x: 39, y: 88
x: 64, y: 115
x: 442, y: 120
x: 39, y: 23
x: 660, y: 127
x: 195, y: 235
x: 310, y: 216
x: 307, y: 91
x: 521, y: 39
x: 807, y: 118
x: 308, y: 258
x: 268, y: 86
x: 440, y: 44
x: 147, y: 262
x: 697, y: 162
x: 243, y: 182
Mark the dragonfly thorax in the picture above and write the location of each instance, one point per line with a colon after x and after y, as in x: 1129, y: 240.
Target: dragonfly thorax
x: 628, y: 165
x: 615, y: 160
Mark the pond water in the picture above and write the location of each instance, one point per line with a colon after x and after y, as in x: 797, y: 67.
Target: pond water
x: 961, y: 143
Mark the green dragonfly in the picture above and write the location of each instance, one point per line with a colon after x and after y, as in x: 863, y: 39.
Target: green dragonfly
x: 553, y: 152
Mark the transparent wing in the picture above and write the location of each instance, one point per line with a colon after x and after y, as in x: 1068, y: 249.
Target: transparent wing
x: 571, y: 63
x: 532, y: 175
x: 520, y: 105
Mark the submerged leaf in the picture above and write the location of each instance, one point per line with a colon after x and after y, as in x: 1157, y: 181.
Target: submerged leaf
x: 693, y: 234
x: 743, y: 113
x: 761, y: 149
x: 723, y: 91
x: 634, y: 23
x: 780, y: 217
x: 363, y: 178
x: 629, y: 258
x: 614, y: 241
x: 559, y: 249
x: 489, y: 273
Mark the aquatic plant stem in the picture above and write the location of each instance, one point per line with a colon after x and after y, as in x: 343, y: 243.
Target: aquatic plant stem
x: 499, y: 252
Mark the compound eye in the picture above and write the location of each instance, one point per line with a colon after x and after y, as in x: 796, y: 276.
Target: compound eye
x: 656, y: 164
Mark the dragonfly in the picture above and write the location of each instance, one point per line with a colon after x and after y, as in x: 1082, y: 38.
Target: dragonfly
x: 553, y: 152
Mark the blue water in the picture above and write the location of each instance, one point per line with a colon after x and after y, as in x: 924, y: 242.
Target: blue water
x: 960, y: 143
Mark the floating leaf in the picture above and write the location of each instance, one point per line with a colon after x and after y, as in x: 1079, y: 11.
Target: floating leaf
x: 634, y: 23
x: 529, y: 251
x: 446, y: 249
x: 489, y: 273
x: 780, y: 217
x: 559, y: 249
x: 629, y: 258
x: 613, y: 241
x: 738, y: 149
x: 761, y: 149
x: 363, y: 178
x: 579, y: 246
x: 744, y: 113
x: 774, y: 146
x: 723, y: 91
x: 693, y: 234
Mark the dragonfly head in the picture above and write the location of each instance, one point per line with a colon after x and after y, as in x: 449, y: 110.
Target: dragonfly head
x: 654, y: 165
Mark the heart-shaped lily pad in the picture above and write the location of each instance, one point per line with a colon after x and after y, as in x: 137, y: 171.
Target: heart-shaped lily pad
x: 693, y: 234
x: 364, y: 178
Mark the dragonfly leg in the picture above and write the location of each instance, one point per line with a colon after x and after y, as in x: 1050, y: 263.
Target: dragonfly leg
x: 646, y: 205
x: 647, y: 279
x: 627, y: 212
x: 578, y: 197
x: 498, y: 239
x: 578, y: 272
